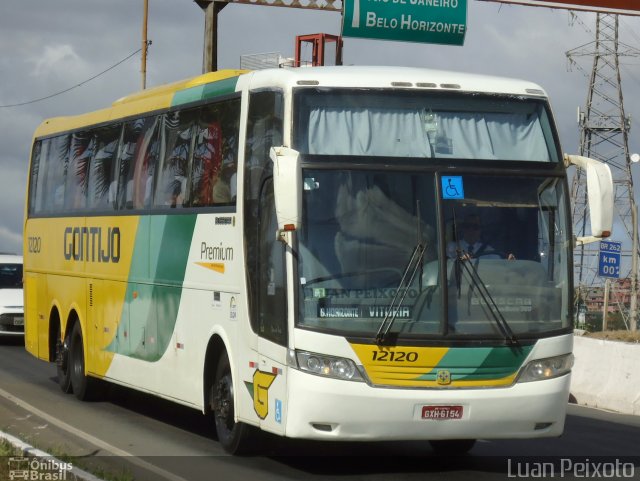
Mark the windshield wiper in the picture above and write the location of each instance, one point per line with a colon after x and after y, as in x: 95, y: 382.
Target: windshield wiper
x: 496, y: 314
x: 415, y: 263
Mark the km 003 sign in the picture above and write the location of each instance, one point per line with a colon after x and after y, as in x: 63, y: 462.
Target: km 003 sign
x: 425, y: 21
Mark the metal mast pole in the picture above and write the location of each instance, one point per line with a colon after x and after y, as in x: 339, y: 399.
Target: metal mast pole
x: 604, y: 130
x: 211, y: 10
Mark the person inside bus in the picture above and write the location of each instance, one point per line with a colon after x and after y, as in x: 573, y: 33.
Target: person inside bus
x: 471, y: 245
x: 221, y: 194
x: 224, y: 187
x: 176, y: 196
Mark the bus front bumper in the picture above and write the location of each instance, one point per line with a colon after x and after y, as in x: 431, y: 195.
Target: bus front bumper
x: 330, y: 409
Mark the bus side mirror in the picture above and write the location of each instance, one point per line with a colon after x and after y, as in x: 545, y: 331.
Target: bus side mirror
x: 600, y: 196
x: 287, y: 187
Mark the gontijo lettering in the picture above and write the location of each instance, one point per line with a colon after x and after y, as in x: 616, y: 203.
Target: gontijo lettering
x: 92, y: 244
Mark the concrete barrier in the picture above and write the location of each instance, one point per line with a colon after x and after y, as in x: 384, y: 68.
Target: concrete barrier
x: 606, y: 374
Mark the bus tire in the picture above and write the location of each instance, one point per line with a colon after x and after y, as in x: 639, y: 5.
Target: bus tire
x: 62, y: 363
x: 452, y: 447
x: 235, y: 437
x: 84, y: 387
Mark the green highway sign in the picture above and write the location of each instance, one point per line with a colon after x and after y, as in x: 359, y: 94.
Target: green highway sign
x: 426, y: 21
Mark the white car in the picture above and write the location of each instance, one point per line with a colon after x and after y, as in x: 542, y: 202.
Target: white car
x: 11, y: 298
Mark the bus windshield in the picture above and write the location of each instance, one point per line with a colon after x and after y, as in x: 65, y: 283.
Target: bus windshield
x: 419, y: 124
x: 506, y: 253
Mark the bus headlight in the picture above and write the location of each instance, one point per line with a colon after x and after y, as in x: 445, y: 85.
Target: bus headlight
x: 327, y: 366
x: 546, y: 368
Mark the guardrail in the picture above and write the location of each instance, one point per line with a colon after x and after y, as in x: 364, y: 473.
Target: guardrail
x: 606, y: 374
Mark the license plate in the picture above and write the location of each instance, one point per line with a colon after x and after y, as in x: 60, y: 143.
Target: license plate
x: 18, y: 321
x: 442, y: 412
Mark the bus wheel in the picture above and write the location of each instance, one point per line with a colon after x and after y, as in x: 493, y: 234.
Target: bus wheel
x: 62, y: 363
x: 235, y: 438
x: 452, y: 447
x: 85, y: 388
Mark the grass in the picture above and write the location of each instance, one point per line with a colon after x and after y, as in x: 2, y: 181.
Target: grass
x: 622, y: 335
x: 6, y: 451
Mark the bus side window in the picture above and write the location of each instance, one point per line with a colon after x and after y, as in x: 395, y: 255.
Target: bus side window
x: 264, y: 130
x: 215, y: 154
x: 57, y: 166
x: 173, y: 170
x: 37, y: 175
x: 137, y: 161
x: 80, y: 153
x: 102, y: 173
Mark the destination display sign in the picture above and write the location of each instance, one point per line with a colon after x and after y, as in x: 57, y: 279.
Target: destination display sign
x: 424, y: 21
x: 363, y: 312
x: 622, y: 7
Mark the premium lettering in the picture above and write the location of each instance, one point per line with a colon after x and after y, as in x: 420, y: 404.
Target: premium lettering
x: 216, y: 253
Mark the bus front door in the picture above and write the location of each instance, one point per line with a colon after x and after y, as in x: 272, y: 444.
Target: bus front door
x: 270, y: 385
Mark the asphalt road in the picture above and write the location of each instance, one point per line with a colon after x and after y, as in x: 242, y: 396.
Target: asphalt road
x: 151, y: 439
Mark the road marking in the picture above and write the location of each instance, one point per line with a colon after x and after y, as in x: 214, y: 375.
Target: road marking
x: 92, y: 439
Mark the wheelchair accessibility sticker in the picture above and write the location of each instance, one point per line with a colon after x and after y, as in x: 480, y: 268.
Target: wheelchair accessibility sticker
x: 452, y: 187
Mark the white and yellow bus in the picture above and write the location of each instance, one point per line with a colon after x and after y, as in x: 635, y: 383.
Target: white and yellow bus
x: 336, y: 253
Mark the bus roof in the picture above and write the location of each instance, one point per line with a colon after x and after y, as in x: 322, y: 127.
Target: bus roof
x: 228, y: 81
x: 394, y: 77
x: 157, y: 98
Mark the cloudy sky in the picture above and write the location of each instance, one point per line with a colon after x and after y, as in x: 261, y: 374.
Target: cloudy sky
x: 50, y: 46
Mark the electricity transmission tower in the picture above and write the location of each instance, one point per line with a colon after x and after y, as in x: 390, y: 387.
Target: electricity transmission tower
x: 604, y: 131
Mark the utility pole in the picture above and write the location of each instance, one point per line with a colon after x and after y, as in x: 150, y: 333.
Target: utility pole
x: 604, y: 131
x: 605, y: 305
x: 633, y: 302
x: 143, y: 67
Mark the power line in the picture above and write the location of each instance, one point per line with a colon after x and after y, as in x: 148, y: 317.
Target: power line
x: 630, y: 30
x: 20, y: 104
x: 630, y: 74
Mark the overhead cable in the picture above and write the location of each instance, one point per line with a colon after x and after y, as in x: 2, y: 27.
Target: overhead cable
x: 20, y: 104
